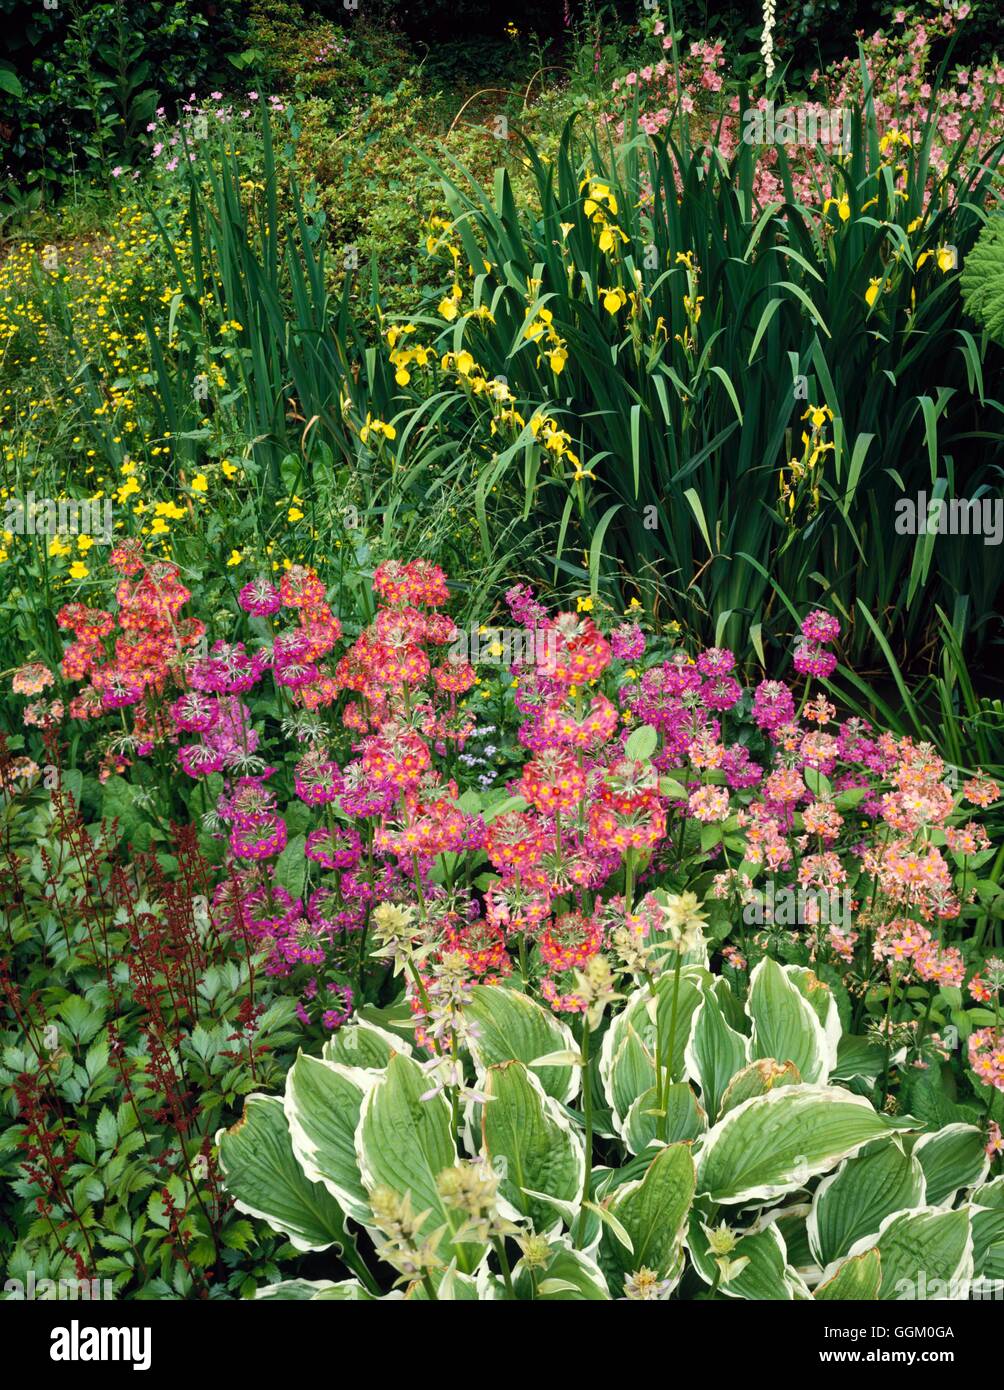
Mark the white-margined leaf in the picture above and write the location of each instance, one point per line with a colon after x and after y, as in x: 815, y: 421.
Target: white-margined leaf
x: 774, y: 1144
x: 952, y: 1158
x: 785, y: 1025
x: 855, y: 1200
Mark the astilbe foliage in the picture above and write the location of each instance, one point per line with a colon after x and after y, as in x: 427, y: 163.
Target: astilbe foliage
x: 139, y: 938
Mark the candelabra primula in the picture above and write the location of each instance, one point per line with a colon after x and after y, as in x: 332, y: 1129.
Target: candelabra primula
x: 604, y: 946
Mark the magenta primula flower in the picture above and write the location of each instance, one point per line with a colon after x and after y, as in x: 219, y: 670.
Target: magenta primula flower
x: 340, y: 1007
x: 627, y: 642
x: 337, y: 848
x: 260, y: 841
x: 232, y: 733
x: 120, y: 689
x: 194, y: 713
x: 810, y: 659
x: 229, y: 669
x: 198, y: 760
x: 773, y: 705
x: 260, y: 598
x: 524, y: 607
x: 716, y: 661
x: 739, y: 770
x: 821, y: 627
x: 318, y: 782
x: 721, y: 692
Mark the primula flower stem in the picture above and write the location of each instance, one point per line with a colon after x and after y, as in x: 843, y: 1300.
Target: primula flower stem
x: 924, y: 1023
x: 629, y: 881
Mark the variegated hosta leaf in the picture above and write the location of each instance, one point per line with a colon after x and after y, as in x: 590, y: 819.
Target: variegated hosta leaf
x: 759, y: 1260
x: 685, y: 1119
x: 714, y: 1053
x: 628, y: 1053
x: 792, y: 1222
x: 818, y: 995
x: 952, y: 1158
x: 775, y: 1143
x: 312, y: 1290
x: 572, y: 1276
x: 262, y: 1175
x: 531, y: 1143
x: 731, y: 1006
x: 403, y: 1143
x: 514, y: 1028
x: 363, y: 1044
x: 653, y: 1214
x: 758, y: 1079
x: 322, y: 1105
x: 858, y: 1057
x: 450, y: 1285
x: 987, y: 1202
x: 926, y: 1254
x: 858, y: 1278
x: 785, y: 1025
x: 988, y: 1242
x: 767, y: 1276
x: 855, y: 1200
x: 626, y: 1070
x: 989, y: 1194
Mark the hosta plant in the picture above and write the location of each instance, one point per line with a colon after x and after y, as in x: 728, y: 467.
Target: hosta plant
x: 746, y: 1167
